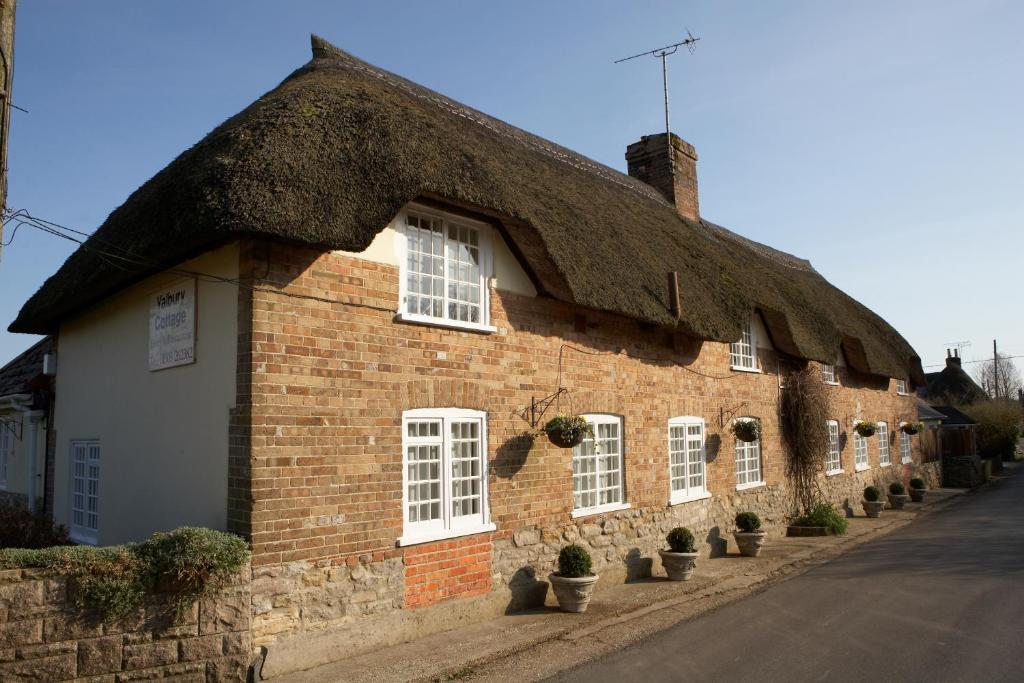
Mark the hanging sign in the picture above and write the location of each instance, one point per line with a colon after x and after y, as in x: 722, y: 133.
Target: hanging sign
x: 172, y: 325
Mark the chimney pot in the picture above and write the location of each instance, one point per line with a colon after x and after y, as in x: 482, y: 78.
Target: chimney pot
x: 674, y: 176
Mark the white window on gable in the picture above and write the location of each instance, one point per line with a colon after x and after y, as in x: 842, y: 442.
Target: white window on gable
x: 749, y: 470
x: 598, y: 481
x: 686, y: 458
x: 445, y: 270
x: 860, y: 451
x: 444, y: 473
x: 85, y: 484
x: 905, y: 454
x: 833, y: 461
x: 884, y: 459
x: 828, y: 373
x: 743, y: 353
x: 6, y: 448
x: 901, y: 387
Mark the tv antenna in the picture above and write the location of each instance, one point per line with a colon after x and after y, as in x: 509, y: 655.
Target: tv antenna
x: 959, y: 346
x: 690, y: 43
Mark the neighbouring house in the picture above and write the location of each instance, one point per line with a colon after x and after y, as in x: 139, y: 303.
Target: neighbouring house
x: 952, y: 384
x: 958, y: 447
x: 336, y: 324
x: 26, y: 401
x: 929, y: 438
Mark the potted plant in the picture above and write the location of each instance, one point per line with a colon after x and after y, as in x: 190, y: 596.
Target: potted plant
x: 573, y: 583
x: 897, y: 495
x: 746, y: 430
x: 681, y: 555
x: 866, y: 428
x: 748, y: 534
x: 567, y: 431
x: 917, y: 490
x: 873, y: 503
x: 911, y: 427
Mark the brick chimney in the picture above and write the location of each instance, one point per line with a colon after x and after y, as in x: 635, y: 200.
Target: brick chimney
x: 648, y: 160
x: 953, y: 358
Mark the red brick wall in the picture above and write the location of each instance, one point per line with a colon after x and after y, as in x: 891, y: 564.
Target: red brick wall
x: 456, y: 568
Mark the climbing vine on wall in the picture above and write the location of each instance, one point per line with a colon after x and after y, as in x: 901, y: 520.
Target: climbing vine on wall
x: 805, y: 408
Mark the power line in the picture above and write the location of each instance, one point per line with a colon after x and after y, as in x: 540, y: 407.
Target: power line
x: 983, y: 360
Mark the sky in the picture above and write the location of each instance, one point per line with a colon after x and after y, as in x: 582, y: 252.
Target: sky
x: 882, y: 141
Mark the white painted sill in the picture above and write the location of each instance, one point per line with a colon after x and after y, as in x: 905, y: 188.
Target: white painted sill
x: 737, y: 368
x: 832, y: 473
x: 82, y: 537
x: 416, y: 539
x: 885, y: 464
x: 831, y: 384
x: 906, y: 461
x: 861, y: 468
x: 688, y: 499
x: 441, y: 322
x: 600, y: 509
x: 749, y: 485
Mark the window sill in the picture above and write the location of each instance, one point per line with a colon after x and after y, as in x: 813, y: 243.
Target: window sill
x: 907, y: 461
x: 415, y: 539
x: 600, y: 509
x: 82, y: 538
x: 749, y: 485
x: 832, y: 473
x: 448, y: 324
x: 862, y: 468
x: 688, y: 499
x: 737, y: 368
x: 885, y: 464
x: 831, y: 384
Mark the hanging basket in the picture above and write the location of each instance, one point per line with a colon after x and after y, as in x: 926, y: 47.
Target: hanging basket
x: 567, y: 431
x: 747, y: 431
x: 866, y: 429
x: 911, y: 427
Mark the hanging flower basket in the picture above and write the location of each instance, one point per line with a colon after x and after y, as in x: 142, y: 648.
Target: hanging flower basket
x: 911, y: 427
x: 567, y: 431
x: 866, y: 428
x: 746, y: 430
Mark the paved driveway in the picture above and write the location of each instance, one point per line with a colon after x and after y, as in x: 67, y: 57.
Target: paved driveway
x: 941, y: 599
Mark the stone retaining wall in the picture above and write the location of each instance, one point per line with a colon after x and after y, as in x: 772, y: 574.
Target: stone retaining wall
x: 43, y: 637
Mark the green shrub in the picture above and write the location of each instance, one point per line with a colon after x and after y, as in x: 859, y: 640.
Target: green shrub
x: 680, y: 540
x: 20, y: 528
x: 568, y: 428
x: 748, y: 522
x: 826, y: 515
x: 918, y: 484
x: 872, y: 494
x: 896, y: 489
x: 573, y: 562
x: 998, y: 427
x: 182, y: 565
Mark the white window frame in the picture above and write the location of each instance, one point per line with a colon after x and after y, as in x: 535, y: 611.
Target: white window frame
x: 596, y: 419
x: 829, y: 374
x: 82, y: 532
x: 860, y: 447
x: 740, y: 361
x: 834, y: 456
x: 447, y: 526
x: 742, y: 450
x: 6, y: 448
x: 882, y: 434
x: 687, y: 493
x: 906, y: 452
x: 901, y: 387
x: 485, y: 244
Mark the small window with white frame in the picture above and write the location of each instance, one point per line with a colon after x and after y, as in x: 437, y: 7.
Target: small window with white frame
x: 445, y: 269
x: 905, y: 452
x: 884, y: 458
x: 85, y: 485
x: 743, y: 353
x: 828, y: 373
x: 598, y: 482
x: 901, y: 387
x: 444, y: 474
x: 749, y: 468
x: 860, y: 450
x: 833, y: 460
x: 686, y: 457
x: 6, y: 447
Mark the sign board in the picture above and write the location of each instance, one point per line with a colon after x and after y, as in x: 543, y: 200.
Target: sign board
x: 172, y: 325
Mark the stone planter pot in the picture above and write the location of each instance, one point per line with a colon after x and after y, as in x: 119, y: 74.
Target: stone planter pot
x: 873, y: 508
x: 897, y: 502
x: 749, y: 543
x: 678, y: 566
x: 917, y: 495
x: 573, y: 594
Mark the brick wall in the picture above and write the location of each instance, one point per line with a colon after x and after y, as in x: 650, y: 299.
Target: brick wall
x: 457, y: 568
x: 330, y: 382
x: 45, y: 638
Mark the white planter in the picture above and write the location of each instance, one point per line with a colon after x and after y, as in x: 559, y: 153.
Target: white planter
x: 873, y: 508
x: 678, y: 566
x: 750, y: 543
x: 573, y: 594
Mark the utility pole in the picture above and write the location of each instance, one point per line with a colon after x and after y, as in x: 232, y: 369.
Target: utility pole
x: 995, y: 369
x: 7, y: 11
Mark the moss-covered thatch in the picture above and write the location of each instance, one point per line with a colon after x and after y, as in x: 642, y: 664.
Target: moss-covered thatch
x: 329, y: 157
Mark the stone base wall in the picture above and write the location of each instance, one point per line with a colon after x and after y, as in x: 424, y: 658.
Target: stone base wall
x: 44, y: 637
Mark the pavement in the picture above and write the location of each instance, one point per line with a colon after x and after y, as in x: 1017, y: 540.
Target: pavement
x: 839, y: 611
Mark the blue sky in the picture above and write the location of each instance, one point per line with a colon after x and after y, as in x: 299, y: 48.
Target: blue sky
x: 883, y: 141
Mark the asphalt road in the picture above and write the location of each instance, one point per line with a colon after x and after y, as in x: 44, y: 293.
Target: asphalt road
x: 941, y: 599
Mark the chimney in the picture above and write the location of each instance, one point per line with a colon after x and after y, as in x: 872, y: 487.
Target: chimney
x: 953, y: 360
x: 648, y: 160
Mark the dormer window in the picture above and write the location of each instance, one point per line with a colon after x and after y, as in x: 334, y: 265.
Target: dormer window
x: 901, y: 387
x: 743, y: 353
x: 446, y: 266
x: 828, y: 373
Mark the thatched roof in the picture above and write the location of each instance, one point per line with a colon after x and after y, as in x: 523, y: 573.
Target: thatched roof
x: 953, y: 384
x: 330, y: 156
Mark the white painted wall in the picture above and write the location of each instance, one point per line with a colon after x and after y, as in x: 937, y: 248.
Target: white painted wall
x: 163, y: 435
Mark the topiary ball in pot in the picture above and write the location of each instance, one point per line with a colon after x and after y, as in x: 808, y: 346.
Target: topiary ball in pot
x: 917, y: 483
x: 897, y: 495
x: 748, y: 522
x: 873, y: 503
x: 573, y: 583
x: 896, y: 489
x: 680, y: 540
x: 749, y: 536
x: 872, y: 494
x: 917, y: 490
x: 680, y: 558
